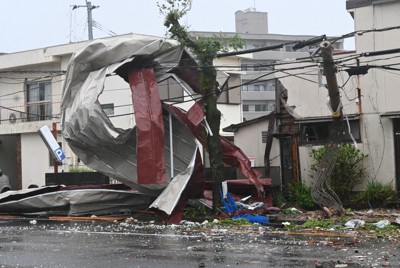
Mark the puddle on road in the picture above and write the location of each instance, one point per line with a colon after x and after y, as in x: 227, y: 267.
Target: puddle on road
x: 264, y: 244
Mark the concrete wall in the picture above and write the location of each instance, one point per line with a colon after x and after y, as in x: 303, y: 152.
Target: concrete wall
x: 379, y: 93
x: 252, y: 22
x: 376, y: 17
x: 118, y: 93
x: 249, y: 139
x: 380, y: 88
x: 35, y: 160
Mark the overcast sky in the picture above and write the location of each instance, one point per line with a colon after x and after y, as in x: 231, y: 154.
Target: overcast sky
x: 40, y: 23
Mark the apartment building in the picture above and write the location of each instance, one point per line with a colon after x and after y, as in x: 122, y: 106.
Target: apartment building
x: 257, y: 69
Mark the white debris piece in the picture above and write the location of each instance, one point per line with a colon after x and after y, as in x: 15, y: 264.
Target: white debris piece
x: 382, y: 223
x: 355, y: 223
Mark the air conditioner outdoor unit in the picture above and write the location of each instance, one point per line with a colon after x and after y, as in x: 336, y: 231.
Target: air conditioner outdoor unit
x: 12, y: 118
x: 16, y: 117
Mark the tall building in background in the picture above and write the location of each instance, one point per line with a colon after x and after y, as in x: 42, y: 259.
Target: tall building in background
x: 257, y: 70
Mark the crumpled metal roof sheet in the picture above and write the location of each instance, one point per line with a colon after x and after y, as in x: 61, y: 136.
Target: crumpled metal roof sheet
x: 88, y: 130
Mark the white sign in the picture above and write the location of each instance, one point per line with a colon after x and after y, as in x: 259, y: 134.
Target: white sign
x: 51, y: 143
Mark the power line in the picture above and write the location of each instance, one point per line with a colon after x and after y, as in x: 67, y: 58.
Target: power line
x: 297, y: 44
x: 29, y: 114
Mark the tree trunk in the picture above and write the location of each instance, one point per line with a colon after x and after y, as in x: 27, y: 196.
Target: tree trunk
x: 214, y: 150
x: 213, y: 116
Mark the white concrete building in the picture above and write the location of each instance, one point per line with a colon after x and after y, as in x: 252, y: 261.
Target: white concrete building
x: 257, y: 69
x: 379, y: 87
x: 370, y: 100
x: 31, y: 84
x: 251, y: 137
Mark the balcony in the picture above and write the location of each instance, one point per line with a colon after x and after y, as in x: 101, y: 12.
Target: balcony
x: 258, y: 95
x: 19, y: 118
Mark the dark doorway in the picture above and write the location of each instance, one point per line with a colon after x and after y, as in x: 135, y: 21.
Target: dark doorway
x: 9, y: 158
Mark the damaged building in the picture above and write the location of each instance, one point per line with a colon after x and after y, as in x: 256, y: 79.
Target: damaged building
x: 158, y: 142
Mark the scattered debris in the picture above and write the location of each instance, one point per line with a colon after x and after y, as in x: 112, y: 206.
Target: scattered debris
x: 355, y: 223
x: 382, y: 223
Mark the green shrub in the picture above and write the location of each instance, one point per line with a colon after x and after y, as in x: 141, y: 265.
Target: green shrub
x: 190, y: 212
x: 347, y: 172
x: 75, y: 169
x: 230, y: 222
x: 313, y: 223
x: 376, y: 193
x: 299, y: 195
x: 279, y: 199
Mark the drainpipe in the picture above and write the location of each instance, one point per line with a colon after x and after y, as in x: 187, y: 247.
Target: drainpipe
x: 55, y: 137
x: 359, y: 91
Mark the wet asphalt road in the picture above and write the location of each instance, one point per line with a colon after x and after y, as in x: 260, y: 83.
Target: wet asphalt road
x: 44, y: 243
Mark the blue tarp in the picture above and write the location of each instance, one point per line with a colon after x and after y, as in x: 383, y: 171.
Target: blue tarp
x: 252, y: 218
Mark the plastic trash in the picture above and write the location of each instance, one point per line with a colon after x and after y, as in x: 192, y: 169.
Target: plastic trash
x: 355, y: 223
x: 229, y: 203
x: 240, y: 205
x: 382, y: 223
x: 292, y: 211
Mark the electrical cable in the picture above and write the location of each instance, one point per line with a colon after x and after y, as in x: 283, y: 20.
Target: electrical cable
x: 272, y: 65
x: 29, y: 114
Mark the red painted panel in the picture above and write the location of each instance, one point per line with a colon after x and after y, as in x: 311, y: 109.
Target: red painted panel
x: 231, y: 154
x: 149, y: 127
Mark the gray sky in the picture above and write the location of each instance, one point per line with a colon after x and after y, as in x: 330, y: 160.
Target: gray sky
x: 41, y: 23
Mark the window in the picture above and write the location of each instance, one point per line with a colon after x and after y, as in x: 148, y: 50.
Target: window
x: 264, y: 136
x: 245, y: 108
x: 245, y: 88
x: 108, y: 108
x: 319, y: 133
x: 260, y: 107
x: 244, y: 67
x: 270, y: 85
x: 39, y: 101
x: 316, y: 132
x: 170, y: 90
x: 259, y: 88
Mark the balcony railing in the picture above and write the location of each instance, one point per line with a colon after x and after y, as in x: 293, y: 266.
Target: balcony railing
x: 33, y: 111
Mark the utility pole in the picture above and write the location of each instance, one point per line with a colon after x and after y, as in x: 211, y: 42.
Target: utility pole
x: 330, y: 74
x: 89, y: 9
x: 89, y: 19
x: 323, y: 195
